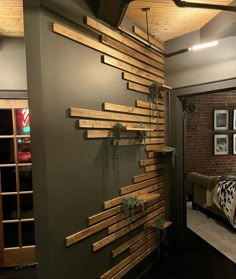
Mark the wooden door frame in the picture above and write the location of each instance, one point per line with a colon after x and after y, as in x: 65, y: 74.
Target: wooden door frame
x: 14, y: 256
x: 177, y: 204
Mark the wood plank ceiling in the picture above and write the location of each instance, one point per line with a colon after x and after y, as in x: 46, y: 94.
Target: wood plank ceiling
x: 166, y: 21
x: 11, y: 18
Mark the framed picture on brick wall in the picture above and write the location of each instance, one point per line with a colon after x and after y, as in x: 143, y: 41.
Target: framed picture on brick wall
x: 234, y: 119
x: 221, y: 144
x: 234, y: 144
x: 221, y: 119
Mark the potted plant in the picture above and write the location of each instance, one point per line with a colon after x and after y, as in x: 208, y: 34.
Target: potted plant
x: 130, y: 203
x: 160, y: 223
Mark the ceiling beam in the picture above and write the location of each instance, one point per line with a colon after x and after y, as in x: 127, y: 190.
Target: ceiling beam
x: 112, y: 11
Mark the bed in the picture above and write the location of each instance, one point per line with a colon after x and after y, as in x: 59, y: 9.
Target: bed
x: 215, y: 194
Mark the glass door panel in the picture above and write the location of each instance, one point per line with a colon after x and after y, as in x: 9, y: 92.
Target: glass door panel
x: 7, y: 151
x: 25, y: 178
x: 11, y: 235
x: 9, y: 207
x: 27, y: 231
x: 6, y: 127
x: 26, y: 206
x: 23, y: 150
x: 8, y: 179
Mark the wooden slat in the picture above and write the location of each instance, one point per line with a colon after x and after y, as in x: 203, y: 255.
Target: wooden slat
x: 137, y: 87
x: 137, y: 260
x: 160, y: 127
x: 151, y: 237
x: 147, y: 197
x: 84, y: 40
x: 131, y: 52
x: 136, y: 79
x: 117, y: 251
x: 107, y: 240
x: 129, y: 68
x: 151, y: 222
x: 104, y: 215
x: 154, y: 167
x: 140, y: 185
x: 95, y: 114
x: 108, y: 134
x: 137, y: 141
x: 102, y: 124
x: 138, y: 129
x: 151, y: 155
x: 128, y: 109
x: 118, y: 200
x: 122, y: 39
x: 109, y: 274
x: 147, y: 162
x: 145, y: 176
x: 155, y: 134
x: 154, y: 148
x: 126, y: 222
x: 142, y: 104
x: 157, y: 43
x: 91, y: 134
x: 72, y: 239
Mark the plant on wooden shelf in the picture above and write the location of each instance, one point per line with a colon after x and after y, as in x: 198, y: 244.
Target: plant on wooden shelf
x: 129, y: 204
x: 160, y: 223
x: 116, y: 134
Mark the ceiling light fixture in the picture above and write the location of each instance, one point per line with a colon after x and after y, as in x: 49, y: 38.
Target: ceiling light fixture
x: 197, y: 47
x: 193, y: 48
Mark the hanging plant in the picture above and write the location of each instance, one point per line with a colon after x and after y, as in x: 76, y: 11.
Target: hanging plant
x: 142, y: 136
x: 154, y: 91
x: 129, y: 204
x: 116, y: 134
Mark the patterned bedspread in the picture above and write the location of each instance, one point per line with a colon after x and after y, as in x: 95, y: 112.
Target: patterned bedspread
x: 226, y: 197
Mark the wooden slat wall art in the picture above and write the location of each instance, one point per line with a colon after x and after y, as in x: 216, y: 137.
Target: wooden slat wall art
x: 154, y: 41
x: 141, y: 67
x: 123, y: 39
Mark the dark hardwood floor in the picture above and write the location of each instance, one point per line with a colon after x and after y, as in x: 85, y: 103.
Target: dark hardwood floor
x: 198, y: 260
x: 24, y: 272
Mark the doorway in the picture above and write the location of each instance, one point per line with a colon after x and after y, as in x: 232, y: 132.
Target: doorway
x: 17, y: 243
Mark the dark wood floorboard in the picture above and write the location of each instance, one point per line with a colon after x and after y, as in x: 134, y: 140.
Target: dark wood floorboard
x: 198, y: 260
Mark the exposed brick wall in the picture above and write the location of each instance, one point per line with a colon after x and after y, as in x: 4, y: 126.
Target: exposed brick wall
x: 199, y: 153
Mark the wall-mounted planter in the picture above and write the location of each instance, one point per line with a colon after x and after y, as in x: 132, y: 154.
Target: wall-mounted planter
x: 131, y: 202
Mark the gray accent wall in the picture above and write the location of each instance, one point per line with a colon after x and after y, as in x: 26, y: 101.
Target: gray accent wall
x: 72, y: 176
x: 205, y: 65
x: 202, y: 66
x: 12, y: 64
